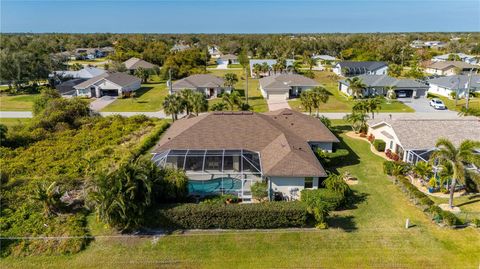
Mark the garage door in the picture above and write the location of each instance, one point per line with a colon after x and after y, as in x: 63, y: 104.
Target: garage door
x: 404, y: 93
x: 109, y: 92
x: 277, y: 96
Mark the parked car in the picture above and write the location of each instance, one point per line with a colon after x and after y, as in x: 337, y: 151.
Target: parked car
x: 437, y: 104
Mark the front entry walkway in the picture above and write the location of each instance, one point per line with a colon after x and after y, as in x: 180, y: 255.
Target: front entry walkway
x: 276, y: 103
x: 102, y: 102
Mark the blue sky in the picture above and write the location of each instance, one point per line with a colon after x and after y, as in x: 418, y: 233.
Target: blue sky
x: 234, y: 16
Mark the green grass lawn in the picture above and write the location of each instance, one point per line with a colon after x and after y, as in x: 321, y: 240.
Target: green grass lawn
x: 234, y: 66
x: 23, y: 102
x: 10, y: 122
x: 450, y: 103
x: 338, y: 102
x: 255, y: 98
x: 95, y: 62
x: 371, y: 235
x: 148, y: 98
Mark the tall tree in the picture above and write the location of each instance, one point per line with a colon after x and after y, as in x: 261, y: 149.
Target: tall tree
x: 374, y: 105
x: 306, y: 99
x: 457, y: 157
x: 320, y: 95
x: 356, y: 86
x: 231, y: 99
x: 230, y: 80
x: 173, y: 105
x: 199, y: 103
x: 143, y: 74
x: 187, y: 100
x: 358, y: 121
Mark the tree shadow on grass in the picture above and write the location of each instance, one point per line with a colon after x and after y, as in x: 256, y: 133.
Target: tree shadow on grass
x: 346, y: 223
x: 341, y: 157
x: 142, y: 91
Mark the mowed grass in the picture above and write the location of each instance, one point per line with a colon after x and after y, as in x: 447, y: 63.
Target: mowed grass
x: 255, y: 98
x: 371, y: 235
x: 10, y: 122
x: 338, y: 102
x: 450, y: 103
x: 23, y: 102
x: 148, y: 98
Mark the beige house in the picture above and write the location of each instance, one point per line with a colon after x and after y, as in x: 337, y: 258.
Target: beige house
x: 285, y: 86
x: 207, y: 84
x: 227, y: 152
x: 414, y: 139
x: 449, y: 68
x: 134, y: 63
x: 111, y: 84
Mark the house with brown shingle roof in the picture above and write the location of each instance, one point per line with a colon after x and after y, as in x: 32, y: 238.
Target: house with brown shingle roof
x: 207, y: 84
x: 226, y: 152
x: 285, y: 86
x: 450, y: 68
x: 134, y: 63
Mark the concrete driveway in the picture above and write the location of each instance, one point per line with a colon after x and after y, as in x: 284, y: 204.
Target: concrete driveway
x: 422, y: 105
x: 102, y: 102
x: 276, y: 103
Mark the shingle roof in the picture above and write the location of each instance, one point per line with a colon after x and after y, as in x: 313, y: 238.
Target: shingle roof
x: 444, y: 57
x: 66, y: 88
x: 453, y: 81
x: 280, y: 137
x: 134, y: 63
x: 423, y: 134
x: 270, y: 62
x: 445, y: 65
x: 324, y: 57
x: 228, y: 57
x: 87, y: 72
x: 119, y: 78
x: 285, y: 81
x: 199, y: 80
x: 370, y: 66
x: 385, y: 81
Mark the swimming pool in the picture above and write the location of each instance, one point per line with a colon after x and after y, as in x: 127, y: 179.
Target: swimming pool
x: 217, y: 185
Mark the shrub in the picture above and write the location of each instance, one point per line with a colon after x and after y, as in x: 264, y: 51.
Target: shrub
x: 394, y: 168
x: 449, y: 218
x: 337, y: 184
x: 221, y: 199
x: 379, y: 145
x: 371, y: 138
x: 231, y: 216
x: 259, y: 190
x: 330, y: 198
x: 476, y: 223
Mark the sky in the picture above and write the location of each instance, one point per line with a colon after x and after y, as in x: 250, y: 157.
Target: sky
x: 235, y: 16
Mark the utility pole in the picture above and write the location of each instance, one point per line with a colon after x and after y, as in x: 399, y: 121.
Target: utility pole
x: 246, y: 84
x: 170, y: 86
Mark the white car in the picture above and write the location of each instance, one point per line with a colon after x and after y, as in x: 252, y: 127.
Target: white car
x: 437, y: 104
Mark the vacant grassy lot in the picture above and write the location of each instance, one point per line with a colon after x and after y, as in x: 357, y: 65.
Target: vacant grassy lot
x: 372, y: 235
x: 339, y: 102
x: 255, y: 98
x: 22, y: 102
x: 450, y: 103
x: 98, y: 62
x: 148, y: 98
x: 10, y: 122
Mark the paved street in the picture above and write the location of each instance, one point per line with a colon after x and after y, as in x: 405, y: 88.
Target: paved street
x: 16, y: 114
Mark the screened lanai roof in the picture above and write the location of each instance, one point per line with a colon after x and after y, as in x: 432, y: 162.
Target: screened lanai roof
x: 231, y: 161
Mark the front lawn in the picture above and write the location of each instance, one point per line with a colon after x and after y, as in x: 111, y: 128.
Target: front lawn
x: 97, y: 62
x: 23, y: 102
x: 234, y: 66
x: 148, y: 98
x: 450, y: 103
x: 10, y: 122
x: 338, y: 102
x: 371, y: 235
x: 255, y: 98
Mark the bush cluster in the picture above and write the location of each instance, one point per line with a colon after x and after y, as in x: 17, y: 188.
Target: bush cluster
x: 441, y: 215
x: 379, y: 145
x: 394, y: 168
x: 231, y: 216
x: 392, y: 155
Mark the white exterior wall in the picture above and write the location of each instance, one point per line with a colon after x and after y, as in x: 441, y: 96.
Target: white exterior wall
x: 381, y: 71
x: 337, y: 70
x: 390, y: 143
x: 344, y: 88
x: 436, y: 89
x: 286, y: 184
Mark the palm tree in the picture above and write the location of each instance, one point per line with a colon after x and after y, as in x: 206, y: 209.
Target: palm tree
x: 231, y: 99
x: 457, y: 157
x: 320, y: 95
x: 358, y: 120
x: 296, y: 66
x: 391, y: 92
x: 143, y: 74
x: 356, y: 86
x: 266, y: 68
x: 173, y: 105
x: 423, y: 170
x: 230, y: 80
x: 257, y: 69
x: 49, y: 196
x: 360, y: 106
x: 187, y: 103
x: 199, y: 103
x: 306, y: 99
x: 218, y: 106
x: 310, y: 61
x: 374, y: 105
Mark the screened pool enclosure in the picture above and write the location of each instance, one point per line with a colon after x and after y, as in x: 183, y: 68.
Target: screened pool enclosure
x: 215, y: 171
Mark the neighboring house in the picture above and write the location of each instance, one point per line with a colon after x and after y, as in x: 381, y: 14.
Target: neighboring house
x: 179, y: 47
x: 270, y: 62
x: 208, y: 84
x: 226, y: 152
x: 415, y: 139
x: 89, y: 53
x: 377, y: 84
x: 228, y: 59
x: 111, y: 84
x: 66, y: 89
x: 87, y: 72
x: 107, y: 51
x: 449, y: 68
x: 350, y: 68
x: 285, y: 86
x: 324, y: 59
x: 134, y: 63
x: 444, y: 86
x: 214, y: 52
x: 469, y: 59
x: 418, y: 44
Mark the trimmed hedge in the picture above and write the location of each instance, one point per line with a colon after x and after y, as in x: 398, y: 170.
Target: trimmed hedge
x: 330, y: 198
x: 379, y: 145
x: 231, y: 216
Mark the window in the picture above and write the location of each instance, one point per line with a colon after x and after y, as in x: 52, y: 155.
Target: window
x: 391, y: 145
x: 308, y: 183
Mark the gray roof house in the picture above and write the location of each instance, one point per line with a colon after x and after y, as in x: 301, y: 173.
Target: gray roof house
x: 228, y: 59
x: 285, y: 86
x: 414, y: 139
x: 444, y: 86
x: 134, y: 63
x: 66, y: 89
x: 270, y: 62
x: 229, y: 151
x: 351, y: 68
x: 111, y: 84
x: 377, y: 84
x: 87, y: 72
x: 208, y: 84
x: 470, y: 59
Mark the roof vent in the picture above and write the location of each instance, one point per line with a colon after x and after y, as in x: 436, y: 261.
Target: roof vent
x: 169, y: 138
x: 291, y: 123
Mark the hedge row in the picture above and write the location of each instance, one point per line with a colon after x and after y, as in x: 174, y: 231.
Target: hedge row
x: 330, y: 198
x: 379, y: 145
x: 231, y: 216
x: 151, y: 140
